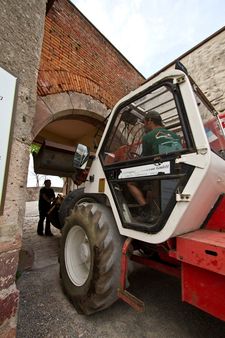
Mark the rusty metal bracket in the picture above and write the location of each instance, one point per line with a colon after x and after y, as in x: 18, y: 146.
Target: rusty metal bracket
x: 123, y: 294
x: 130, y: 299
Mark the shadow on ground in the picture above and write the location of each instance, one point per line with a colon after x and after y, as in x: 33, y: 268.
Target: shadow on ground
x: 46, y: 312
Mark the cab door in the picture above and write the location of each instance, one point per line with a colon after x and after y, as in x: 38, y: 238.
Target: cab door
x: 157, y: 176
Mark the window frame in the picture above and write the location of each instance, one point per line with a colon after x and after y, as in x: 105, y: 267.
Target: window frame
x: 181, y: 111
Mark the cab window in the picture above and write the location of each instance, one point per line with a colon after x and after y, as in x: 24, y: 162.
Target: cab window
x: 125, y: 137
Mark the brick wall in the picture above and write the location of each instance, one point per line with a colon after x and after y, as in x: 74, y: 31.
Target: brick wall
x: 77, y: 57
x: 21, y: 32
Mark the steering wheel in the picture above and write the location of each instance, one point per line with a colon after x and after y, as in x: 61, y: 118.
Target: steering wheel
x: 132, y: 155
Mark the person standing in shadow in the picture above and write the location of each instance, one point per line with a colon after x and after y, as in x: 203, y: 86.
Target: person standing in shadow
x: 46, y: 196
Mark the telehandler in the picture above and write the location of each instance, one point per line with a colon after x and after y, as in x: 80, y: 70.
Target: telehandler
x: 184, y: 235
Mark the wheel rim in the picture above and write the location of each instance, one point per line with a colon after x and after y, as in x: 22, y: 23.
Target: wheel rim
x: 77, y: 255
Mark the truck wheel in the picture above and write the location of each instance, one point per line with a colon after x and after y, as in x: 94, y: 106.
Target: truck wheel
x: 90, y: 258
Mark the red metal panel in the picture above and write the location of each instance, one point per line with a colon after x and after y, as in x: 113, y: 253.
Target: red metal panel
x: 217, y: 219
x: 203, y: 248
x: 204, y: 289
x: 169, y: 270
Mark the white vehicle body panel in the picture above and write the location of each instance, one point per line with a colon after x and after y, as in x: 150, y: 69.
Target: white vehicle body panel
x: 204, y: 186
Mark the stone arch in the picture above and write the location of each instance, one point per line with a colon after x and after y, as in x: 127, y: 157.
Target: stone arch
x: 65, y: 119
x: 68, y: 105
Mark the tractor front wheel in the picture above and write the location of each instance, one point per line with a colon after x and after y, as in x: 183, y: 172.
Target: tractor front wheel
x: 90, y: 258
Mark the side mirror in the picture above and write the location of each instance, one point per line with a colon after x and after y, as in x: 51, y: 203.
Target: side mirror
x: 81, y: 156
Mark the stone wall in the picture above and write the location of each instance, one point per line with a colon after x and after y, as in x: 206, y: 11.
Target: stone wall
x: 206, y: 65
x: 21, y: 33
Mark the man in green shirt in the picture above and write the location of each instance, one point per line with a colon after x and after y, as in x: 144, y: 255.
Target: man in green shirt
x: 157, y: 140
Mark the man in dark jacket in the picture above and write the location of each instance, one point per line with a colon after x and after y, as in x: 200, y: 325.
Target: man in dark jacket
x: 46, y: 196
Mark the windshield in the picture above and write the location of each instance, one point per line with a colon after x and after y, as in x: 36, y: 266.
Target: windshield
x: 139, y: 155
x: 125, y: 137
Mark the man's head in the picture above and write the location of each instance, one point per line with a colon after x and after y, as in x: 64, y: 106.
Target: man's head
x: 47, y: 183
x: 152, y: 120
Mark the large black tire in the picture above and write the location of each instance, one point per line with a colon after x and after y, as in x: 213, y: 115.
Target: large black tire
x: 74, y: 197
x: 54, y: 218
x: 90, y: 254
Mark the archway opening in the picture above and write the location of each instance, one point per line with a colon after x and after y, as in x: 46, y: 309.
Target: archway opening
x: 55, y: 145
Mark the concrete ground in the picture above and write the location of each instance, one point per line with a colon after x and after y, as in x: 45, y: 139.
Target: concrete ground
x: 45, y: 311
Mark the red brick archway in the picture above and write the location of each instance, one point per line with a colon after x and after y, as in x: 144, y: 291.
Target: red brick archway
x: 76, y: 57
